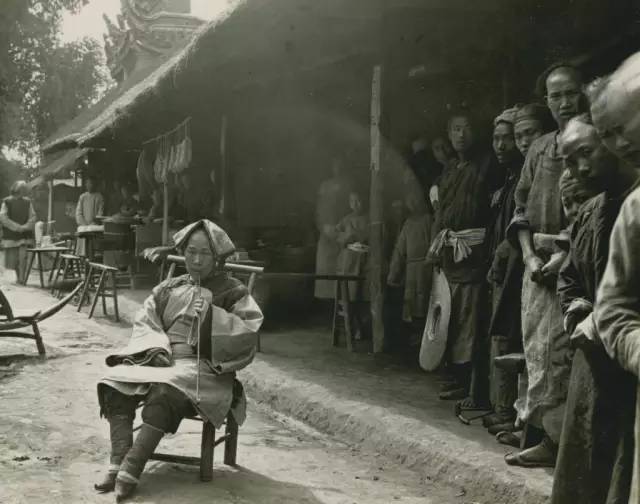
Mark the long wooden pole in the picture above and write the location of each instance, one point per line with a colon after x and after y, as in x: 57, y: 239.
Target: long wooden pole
x: 165, y: 213
x: 223, y: 168
x: 50, y: 207
x: 376, y: 215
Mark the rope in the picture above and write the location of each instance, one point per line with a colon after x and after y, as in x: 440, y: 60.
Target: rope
x: 168, y: 133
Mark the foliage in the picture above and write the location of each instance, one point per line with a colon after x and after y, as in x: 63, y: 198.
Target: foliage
x: 43, y: 83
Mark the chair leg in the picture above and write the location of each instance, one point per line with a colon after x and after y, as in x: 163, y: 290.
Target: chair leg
x: 53, y: 268
x: 99, y: 291
x: 40, y: 272
x: 104, y: 297
x: 63, y: 266
x: 206, y: 451
x: 231, y: 442
x: 38, y: 338
x: 115, y: 295
x: 85, y: 288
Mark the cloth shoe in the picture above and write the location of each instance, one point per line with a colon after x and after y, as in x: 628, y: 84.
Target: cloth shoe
x: 541, y: 455
x: 502, y: 427
x: 121, y: 431
x: 497, y: 418
x: 133, y: 464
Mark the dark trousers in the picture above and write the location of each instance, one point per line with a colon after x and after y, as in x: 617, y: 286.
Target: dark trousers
x: 164, y: 406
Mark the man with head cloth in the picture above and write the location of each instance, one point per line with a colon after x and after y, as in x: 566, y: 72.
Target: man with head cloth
x: 539, y: 210
x: 505, y: 331
x: 505, y: 276
x: 617, y: 308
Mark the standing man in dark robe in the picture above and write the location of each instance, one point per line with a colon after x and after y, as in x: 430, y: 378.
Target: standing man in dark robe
x: 503, y: 386
x: 539, y: 211
x: 595, y: 454
x: 505, y: 277
x: 459, y: 249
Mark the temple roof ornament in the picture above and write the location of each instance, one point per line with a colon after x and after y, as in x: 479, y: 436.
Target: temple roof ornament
x: 145, y: 31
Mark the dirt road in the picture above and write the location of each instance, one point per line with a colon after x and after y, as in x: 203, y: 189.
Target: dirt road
x: 54, y: 446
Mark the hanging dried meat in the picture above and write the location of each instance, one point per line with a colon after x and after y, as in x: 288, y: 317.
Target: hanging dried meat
x: 144, y: 173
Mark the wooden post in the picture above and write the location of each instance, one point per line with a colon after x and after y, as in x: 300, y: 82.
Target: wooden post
x: 376, y: 215
x: 165, y: 213
x: 223, y: 167
x: 50, y: 208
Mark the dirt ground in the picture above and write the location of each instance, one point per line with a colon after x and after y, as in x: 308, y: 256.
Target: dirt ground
x: 54, y: 446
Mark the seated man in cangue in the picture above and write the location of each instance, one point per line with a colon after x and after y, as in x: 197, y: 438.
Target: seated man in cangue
x: 205, y: 313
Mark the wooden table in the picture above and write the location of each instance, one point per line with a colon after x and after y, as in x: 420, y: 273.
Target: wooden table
x: 341, y: 298
x: 37, y: 252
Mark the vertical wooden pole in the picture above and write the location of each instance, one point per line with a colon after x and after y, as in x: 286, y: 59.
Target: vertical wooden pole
x: 165, y: 213
x: 223, y: 168
x: 50, y: 207
x: 376, y: 215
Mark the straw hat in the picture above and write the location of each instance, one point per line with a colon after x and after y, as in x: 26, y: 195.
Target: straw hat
x: 436, y: 330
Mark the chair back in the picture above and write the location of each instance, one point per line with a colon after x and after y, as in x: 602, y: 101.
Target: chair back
x: 248, y: 274
x: 5, y: 308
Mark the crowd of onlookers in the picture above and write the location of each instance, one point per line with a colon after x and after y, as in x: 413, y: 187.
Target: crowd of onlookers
x: 536, y: 240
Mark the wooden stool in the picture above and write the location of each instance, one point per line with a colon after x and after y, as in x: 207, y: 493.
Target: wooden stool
x: 69, y: 267
x: 101, y: 289
x: 37, y: 252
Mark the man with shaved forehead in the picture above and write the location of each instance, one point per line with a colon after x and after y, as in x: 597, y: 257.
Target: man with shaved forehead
x: 617, y: 309
x: 459, y: 249
x: 596, y: 447
x: 539, y: 210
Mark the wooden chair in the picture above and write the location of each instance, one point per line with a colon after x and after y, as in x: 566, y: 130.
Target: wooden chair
x: 11, y: 321
x: 208, y: 441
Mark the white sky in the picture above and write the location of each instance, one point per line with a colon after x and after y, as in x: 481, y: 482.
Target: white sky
x: 89, y: 21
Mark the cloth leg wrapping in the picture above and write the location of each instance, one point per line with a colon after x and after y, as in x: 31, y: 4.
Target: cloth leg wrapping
x: 120, y: 410
x: 121, y: 430
x: 145, y: 444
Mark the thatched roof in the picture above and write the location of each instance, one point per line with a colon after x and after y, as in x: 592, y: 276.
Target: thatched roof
x: 141, y: 78
x: 58, y: 163
x: 253, y: 41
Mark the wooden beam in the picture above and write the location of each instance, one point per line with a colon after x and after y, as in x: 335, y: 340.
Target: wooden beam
x: 165, y: 213
x: 223, y: 168
x: 376, y: 239
x: 50, y: 207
